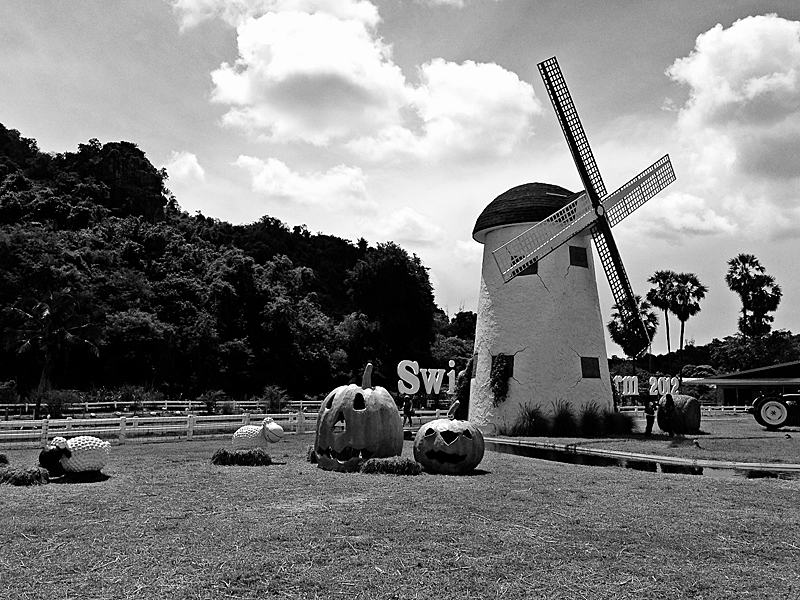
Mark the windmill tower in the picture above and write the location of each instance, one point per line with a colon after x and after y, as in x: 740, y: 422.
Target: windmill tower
x: 539, y: 337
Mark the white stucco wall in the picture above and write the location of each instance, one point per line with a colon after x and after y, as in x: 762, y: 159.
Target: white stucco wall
x: 548, y: 321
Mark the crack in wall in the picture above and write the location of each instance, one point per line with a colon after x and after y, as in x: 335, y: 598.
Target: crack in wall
x: 515, y: 355
x: 544, y: 284
x: 577, y: 381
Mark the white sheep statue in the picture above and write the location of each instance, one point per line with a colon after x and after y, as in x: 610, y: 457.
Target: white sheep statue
x: 257, y: 436
x: 81, y: 454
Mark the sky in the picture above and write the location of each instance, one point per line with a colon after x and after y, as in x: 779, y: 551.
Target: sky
x: 402, y: 119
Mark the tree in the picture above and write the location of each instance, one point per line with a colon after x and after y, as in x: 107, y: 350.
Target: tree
x: 758, y: 292
x: 623, y: 333
x: 394, y: 291
x: 686, y: 301
x: 661, y: 296
x: 739, y: 353
x: 52, y: 327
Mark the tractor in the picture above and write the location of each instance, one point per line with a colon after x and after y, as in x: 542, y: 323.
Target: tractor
x: 776, y: 410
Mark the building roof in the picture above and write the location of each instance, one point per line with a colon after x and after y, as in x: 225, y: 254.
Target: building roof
x: 527, y: 203
x: 787, y: 373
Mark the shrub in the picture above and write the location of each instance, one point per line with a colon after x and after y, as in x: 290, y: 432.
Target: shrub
x: 8, y: 392
x: 564, y: 422
x: 254, y: 457
x: 140, y: 397
x: 210, y: 398
x: 311, y: 456
x: 393, y: 465
x: 274, y: 398
x: 592, y: 420
x: 227, y: 408
x: 532, y: 421
x: 24, y: 476
x: 619, y: 423
x: 57, y: 402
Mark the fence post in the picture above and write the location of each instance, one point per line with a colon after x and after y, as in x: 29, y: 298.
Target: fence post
x: 301, y: 422
x: 189, y: 427
x: 45, y: 425
x: 245, y: 418
x: 122, y: 427
x: 68, y: 424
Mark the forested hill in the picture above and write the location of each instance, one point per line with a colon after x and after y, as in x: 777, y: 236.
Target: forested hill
x: 105, y: 281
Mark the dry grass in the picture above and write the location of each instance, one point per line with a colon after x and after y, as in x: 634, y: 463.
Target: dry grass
x: 169, y: 524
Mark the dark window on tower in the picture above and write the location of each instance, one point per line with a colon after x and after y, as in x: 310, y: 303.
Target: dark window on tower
x: 506, y: 362
x: 577, y: 257
x: 590, y: 367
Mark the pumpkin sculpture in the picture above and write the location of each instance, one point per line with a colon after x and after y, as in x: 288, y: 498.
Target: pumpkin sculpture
x: 448, y: 447
x: 357, y: 423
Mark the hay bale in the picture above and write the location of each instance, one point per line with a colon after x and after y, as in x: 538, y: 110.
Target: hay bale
x: 684, y: 417
x: 254, y: 457
x: 24, y: 476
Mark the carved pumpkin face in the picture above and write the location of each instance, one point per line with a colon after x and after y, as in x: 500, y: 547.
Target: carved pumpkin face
x: 448, y: 447
x: 356, y: 423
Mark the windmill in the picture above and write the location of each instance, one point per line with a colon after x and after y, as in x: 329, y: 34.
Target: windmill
x: 572, y: 323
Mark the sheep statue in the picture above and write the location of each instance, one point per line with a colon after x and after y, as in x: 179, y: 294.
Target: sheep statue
x: 257, y: 436
x: 82, y: 454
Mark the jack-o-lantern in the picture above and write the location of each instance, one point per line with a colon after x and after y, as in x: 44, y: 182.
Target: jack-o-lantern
x: 448, y: 447
x: 356, y: 423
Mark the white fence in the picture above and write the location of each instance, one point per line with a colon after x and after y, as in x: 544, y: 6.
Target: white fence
x: 705, y: 409
x: 123, y: 428
x: 24, y: 408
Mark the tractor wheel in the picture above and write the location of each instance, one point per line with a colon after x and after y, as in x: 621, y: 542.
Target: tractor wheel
x: 772, y: 413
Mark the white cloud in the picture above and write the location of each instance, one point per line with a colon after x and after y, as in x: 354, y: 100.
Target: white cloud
x: 741, y: 124
x: 310, y: 77
x: 184, y: 169
x: 458, y: 3
x: 465, y: 109
x: 340, y: 187
x: 235, y: 12
x: 681, y: 213
x: 407, y: 226
x: 318, y: 72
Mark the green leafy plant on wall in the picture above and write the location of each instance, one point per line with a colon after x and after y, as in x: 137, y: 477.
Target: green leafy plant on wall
x: 502, y: 366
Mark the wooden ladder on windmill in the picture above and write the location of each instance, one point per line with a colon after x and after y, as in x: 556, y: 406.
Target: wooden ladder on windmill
x: 593, y: 209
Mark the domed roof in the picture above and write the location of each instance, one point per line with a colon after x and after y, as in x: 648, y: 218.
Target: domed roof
x: 526, y: 203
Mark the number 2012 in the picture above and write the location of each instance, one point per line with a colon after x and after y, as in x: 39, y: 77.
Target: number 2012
x: 664, y: 385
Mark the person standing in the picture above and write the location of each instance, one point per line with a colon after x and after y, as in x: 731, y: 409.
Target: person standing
x: 408, y: 410
x: 649, y: 414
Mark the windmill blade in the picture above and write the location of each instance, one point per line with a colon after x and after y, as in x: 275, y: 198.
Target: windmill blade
x: 573, y: 130
x: 638, y: 190
x: 621, y: 288
x: 535, y: 243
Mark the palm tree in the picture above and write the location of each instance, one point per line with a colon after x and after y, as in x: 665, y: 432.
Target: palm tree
x: 686, y: 301
x: 758, y: 292
x: 661, y: 296
x: 52, y: 328
x: 622, y: 333
x: 765, y: 298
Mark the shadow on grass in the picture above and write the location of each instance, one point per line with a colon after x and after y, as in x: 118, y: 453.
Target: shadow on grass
x: 84, y: 477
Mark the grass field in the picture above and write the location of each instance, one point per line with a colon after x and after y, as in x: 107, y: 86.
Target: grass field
x: 169, y: 524
x: 731, y: 438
